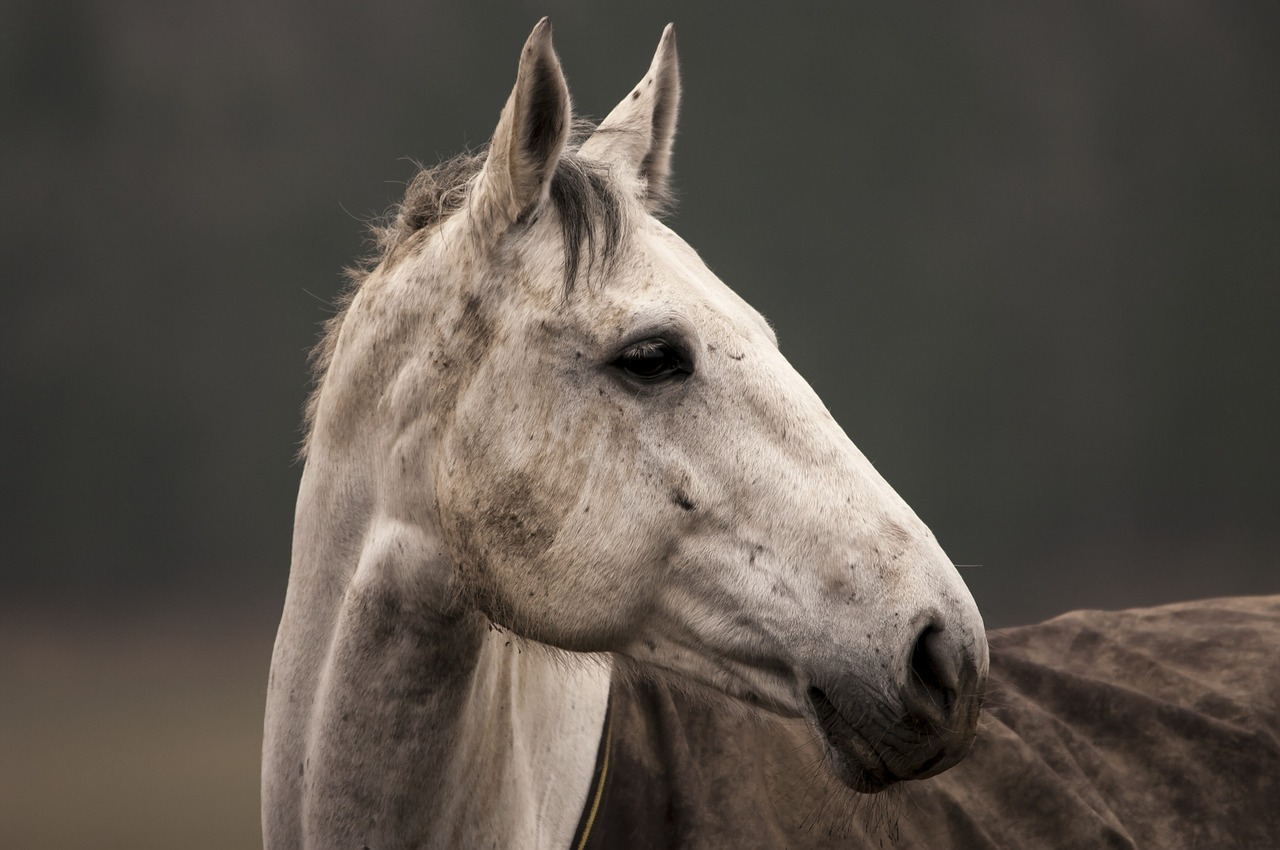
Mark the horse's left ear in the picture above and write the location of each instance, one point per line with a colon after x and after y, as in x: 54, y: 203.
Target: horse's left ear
x: 530, y: 136
x: 638, y: 134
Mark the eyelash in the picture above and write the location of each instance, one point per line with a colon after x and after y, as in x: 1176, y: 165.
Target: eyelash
x: 653, y: 361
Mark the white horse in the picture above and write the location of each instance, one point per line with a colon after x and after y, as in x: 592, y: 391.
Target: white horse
x: 548, y: 444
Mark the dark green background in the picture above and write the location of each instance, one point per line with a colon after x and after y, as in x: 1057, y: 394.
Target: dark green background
x: 1029, y: 254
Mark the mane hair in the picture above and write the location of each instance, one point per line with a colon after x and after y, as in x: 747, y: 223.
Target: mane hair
x: 589, y: 208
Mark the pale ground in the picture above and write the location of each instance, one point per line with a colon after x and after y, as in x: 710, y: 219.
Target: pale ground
x: 137, y: 735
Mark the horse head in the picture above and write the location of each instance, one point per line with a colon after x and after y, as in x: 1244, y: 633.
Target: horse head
x: 602, y: 449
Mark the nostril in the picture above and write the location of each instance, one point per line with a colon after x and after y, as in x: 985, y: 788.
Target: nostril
x: 933, y: 678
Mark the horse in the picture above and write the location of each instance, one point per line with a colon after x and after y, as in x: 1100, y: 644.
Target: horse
x: 1146, y: 728
x: 549, y: 452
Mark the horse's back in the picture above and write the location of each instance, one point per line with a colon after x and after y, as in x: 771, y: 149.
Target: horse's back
x: 1145, y: 728
x: 1149, y: 728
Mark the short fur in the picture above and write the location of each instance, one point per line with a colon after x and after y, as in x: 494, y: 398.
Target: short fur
x: 493, y: 471
x: 1147, y: 728
x: 584, y: 200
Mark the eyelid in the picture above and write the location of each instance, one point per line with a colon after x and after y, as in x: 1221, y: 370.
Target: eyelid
x: 654, y: 343
x: 669, y: 327
x: 670, y: 352
x: 676, y: 342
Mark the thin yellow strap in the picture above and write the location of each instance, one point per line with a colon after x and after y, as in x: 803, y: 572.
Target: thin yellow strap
x: 604, y: 771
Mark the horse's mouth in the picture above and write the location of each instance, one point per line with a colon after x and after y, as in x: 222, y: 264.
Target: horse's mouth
x: 852, y: 757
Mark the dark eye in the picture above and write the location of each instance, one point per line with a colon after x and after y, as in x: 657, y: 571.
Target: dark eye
x: 652, y: 360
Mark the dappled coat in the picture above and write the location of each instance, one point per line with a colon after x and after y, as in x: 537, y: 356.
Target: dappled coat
x: 1151, y: 728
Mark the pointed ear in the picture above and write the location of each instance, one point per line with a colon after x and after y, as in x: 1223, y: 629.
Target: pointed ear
x: 638, y: 134
x: 530, y: 137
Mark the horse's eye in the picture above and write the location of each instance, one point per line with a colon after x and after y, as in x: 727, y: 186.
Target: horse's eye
x: 652, y: 360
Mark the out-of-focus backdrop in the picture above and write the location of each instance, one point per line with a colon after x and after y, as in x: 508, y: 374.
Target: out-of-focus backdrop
x: 1029, y: 254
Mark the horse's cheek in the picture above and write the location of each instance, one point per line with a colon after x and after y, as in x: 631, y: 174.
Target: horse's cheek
x: 501, y: 522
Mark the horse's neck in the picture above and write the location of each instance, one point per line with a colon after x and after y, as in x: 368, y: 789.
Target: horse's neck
x: 394, y: 722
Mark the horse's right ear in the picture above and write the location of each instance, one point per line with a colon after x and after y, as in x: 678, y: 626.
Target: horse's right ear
x: 637, y: 135
x: 530, y: 137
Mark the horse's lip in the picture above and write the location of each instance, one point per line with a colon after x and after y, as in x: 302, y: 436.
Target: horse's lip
x: 853, y: 759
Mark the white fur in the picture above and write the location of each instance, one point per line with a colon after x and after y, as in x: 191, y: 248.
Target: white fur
x: 483, y: 485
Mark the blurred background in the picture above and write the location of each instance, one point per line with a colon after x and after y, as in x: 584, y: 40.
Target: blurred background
x: 1029, y: 254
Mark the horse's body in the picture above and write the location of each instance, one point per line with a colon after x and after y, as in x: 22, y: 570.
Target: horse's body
x: 1153, y: 728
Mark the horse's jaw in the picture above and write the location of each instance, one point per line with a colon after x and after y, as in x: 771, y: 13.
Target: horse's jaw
x: 889, y: 680
x: 882, y: 748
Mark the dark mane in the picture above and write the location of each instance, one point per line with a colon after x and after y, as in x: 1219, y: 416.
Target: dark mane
x: 589, y: 208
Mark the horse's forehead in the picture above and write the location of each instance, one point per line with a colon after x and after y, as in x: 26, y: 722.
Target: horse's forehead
x: 656, y: 273
x: 684, y: 277
x: 656, y: 277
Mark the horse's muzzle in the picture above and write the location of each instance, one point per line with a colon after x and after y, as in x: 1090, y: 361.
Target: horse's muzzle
x: 873, y: 740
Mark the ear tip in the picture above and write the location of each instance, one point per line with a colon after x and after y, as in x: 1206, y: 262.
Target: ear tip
x: 539, y: 55
x: 540, y: 38
x: 665, y: 59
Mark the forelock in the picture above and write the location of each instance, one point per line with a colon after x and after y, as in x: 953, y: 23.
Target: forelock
x: 589, y: 206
